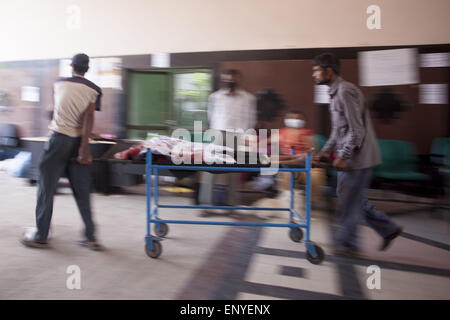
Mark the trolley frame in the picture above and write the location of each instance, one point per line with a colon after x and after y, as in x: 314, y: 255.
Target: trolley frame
x: 315, y: 253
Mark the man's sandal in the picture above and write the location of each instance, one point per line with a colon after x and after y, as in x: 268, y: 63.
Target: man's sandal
x: 92, y: 245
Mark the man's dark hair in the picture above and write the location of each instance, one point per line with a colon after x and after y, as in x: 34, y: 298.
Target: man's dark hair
x: 327, y: 60
x: 233, y: 72
x: 297, y: 112
x: 80, y: 69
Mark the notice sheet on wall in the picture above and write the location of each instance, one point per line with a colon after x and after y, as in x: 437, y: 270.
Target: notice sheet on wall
x: 435, y: 60
x: 321, y: 94
x: 104, y: 72
x: 388, y: 67
x: 433, y: 93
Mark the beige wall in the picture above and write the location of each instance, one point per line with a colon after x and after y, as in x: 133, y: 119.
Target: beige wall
x: 31, y: 29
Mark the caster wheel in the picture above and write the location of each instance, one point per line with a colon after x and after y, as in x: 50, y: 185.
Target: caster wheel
x: 157, y: 250
x: 161, y: 229
x: 296, y: 234
x: 320, y: 255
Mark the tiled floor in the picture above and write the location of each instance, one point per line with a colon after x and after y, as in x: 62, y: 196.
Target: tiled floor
x: 209, y: 262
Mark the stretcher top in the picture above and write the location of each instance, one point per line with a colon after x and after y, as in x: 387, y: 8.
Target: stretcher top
x: 170, y: 163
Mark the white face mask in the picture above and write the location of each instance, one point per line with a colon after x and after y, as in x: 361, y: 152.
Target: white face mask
x: 294, y: 123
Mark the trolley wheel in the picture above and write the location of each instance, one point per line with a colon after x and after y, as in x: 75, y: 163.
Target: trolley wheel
x: 296, y: 234
x: 161, y: 229
x: 157, y: 249
x: 320, y: 255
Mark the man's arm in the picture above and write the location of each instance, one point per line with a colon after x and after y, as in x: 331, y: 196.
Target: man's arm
x: 290, y: 159
x: 84, y: 156
x: 329, y: 145
x: 51, y: 107
x: 356, y: 130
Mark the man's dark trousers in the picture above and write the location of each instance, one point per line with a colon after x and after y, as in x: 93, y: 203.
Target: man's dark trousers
x: 59, y: 157
x: 354, y: 208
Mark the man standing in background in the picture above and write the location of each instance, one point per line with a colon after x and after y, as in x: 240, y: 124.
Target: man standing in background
x: 229, y: 109
x: 356, y: 149
x: 67, y: 151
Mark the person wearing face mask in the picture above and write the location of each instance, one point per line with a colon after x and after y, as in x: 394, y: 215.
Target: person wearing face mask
x: 296, y: 136
x: 354, y: 144
x: 229, y: 108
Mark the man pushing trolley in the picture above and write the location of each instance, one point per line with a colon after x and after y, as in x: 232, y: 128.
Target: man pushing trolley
x: 354, y: 143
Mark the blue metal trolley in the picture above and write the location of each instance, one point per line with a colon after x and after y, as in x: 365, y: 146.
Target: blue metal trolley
x: 153, y: 246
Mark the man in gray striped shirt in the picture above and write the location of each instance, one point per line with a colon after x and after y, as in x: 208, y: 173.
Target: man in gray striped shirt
x: 355, y: 146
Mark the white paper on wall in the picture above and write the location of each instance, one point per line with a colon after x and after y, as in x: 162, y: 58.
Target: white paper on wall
x: 321, y: 94
x: 110, y: 73
x: 31, y: 94
x: 435, y: 60
x: 104, y: 72
x: 388, y: 67
x: 93, y: 72
x: 65, y: 70
x: 433, y: 93
x: 160, y: 60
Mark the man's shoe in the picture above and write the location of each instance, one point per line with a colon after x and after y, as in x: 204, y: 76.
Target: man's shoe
x: 388, y: 239
x: 345, y: 250
x: 34, y: 243
x: 28, y: 240
x: 92, y: 245
x: 348, y: 253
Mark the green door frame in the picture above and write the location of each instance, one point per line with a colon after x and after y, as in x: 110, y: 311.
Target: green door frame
x: 170, y: 112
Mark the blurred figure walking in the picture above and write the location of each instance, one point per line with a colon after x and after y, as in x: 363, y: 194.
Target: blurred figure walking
x: 76, y: 99
x: 354, y: 143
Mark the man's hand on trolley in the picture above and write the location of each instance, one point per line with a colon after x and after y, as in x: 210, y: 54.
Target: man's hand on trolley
x: 321, y: 156
x: 339, y: 164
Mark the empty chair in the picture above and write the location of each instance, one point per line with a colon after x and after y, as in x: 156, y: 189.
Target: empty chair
x: 9, y: 136
x: 399, y: 162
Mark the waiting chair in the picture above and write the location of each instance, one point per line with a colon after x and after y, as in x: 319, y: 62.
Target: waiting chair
x: 400, y: 168
x: 399, y: 162
x: 9, y: 137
